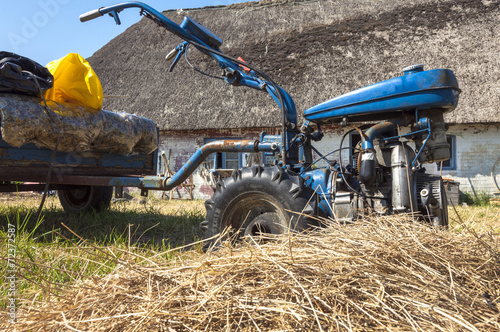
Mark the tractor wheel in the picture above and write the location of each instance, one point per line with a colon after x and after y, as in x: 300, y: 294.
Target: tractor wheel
x: 85, y: 198
x: 258, y: 200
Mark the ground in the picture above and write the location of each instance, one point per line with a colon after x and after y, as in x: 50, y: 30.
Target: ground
x: 113, y: 271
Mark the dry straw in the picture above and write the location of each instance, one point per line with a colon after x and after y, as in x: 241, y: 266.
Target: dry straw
x: 384, y: 274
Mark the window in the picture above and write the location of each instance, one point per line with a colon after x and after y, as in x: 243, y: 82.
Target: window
x: 223, y: 160
x: 231, y: 160
x: 450, y: 164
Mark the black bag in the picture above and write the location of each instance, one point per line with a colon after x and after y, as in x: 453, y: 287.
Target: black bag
x: 18, y: 75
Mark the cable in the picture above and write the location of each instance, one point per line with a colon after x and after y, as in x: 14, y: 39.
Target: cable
x: 196, y: 69
x: 342, y: 171
x: 53, y: 156
x: 268, y: 79
x: 257, y: 71
x: 323, y: 157
x: 342, y: 143
x: 244, y: 64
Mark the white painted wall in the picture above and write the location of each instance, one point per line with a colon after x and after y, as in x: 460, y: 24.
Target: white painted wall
x: 478, y: 147
x: 178, y: 149
x: 183, y: 145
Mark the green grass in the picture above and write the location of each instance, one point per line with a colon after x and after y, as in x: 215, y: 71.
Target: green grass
x: 150, y: 220
x: 475, y: 199
x: 59, y: 250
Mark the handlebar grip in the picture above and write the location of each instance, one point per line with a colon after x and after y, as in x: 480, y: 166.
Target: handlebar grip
x: 90, y: 15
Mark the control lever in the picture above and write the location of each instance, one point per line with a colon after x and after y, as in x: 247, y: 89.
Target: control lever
x: 171, y: 54
x: 114, y: 14
x: 177, y: 53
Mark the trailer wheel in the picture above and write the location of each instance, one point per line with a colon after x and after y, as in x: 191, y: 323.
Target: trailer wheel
x: 258, y: 200
x: 85, y: 198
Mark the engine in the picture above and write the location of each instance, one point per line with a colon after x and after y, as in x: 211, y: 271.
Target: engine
x: 389, y: 177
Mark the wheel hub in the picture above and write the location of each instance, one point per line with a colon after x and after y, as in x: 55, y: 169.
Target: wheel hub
x: 79, y: 194
x: 266, y: 223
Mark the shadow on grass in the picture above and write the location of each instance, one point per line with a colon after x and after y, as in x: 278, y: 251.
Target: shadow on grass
x: 45, y: 258
x: 154, y: 223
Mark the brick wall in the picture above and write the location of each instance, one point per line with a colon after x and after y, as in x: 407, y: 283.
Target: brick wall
x: 477, y: 148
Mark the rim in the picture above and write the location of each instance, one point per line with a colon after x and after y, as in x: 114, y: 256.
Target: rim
x: 78, y: 197
x: 255, y: 214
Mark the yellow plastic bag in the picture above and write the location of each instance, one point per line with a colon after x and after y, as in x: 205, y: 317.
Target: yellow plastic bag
x: 74, y: 82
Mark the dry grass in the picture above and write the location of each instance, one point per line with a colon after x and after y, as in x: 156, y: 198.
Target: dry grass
x: 482, y: 219
x: 381, y: 274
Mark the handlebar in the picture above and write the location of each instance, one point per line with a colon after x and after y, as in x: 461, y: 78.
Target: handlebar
x: 90, y: 15
x: 236, y: 74
x: 153, y: 13
x: 170, y: 26
x: 177, y: 53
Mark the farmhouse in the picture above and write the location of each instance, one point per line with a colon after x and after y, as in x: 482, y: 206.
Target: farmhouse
x: 316, y: 50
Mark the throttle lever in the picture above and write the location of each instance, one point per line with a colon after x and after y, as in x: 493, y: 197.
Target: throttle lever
x: 177, y: 53
x: 114, y: 14
x: 171, y: 54
x: 177, y: 57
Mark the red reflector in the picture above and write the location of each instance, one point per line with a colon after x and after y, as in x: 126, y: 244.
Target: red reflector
x: 245, y: 69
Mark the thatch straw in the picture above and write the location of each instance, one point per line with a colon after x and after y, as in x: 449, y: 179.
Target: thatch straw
x: 316, y: 50
x: 382, y: 274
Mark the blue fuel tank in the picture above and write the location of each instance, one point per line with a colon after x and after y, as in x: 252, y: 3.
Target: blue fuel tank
x: 416, y: 89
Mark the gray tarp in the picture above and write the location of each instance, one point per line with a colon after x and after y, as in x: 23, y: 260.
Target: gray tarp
x: 24, y: 120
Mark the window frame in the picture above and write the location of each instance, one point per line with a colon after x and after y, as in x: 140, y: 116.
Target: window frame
x: 453, y: 155
x: 217, y: 157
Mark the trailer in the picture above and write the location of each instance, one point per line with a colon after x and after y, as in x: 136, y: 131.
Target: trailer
x: 81, y: 153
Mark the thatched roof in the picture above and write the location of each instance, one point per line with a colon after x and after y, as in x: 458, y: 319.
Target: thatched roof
x: 314, y: 49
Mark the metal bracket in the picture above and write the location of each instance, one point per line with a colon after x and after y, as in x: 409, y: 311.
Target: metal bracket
x: 118, y: 192
x: 114, y: 14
